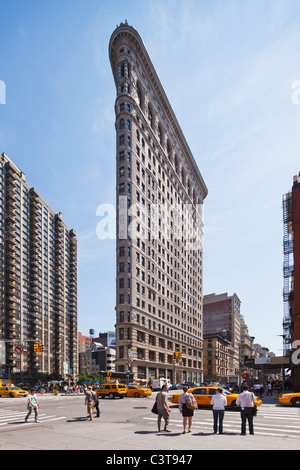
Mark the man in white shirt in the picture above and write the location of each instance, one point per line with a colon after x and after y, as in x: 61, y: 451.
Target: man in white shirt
x: 246, y: 401
x: 219, y: 401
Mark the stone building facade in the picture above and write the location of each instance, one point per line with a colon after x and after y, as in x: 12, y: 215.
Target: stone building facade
x: 160, y: 194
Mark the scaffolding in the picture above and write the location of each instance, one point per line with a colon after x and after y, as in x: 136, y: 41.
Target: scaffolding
x: 288, y: 272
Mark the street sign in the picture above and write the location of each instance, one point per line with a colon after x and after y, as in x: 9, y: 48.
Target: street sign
x: 19, y: 349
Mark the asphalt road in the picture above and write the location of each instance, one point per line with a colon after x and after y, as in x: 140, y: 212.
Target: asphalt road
x: 129, y: 425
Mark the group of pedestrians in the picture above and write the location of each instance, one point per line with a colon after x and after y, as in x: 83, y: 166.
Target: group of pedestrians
x: 91, y: 402
x: 275, y: 386
x: 187, y: 405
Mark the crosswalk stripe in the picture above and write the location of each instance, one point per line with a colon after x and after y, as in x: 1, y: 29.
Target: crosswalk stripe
x: 290, y: 431
x: 12, y: 418
x: 32, y: 422
x: 255, y: 422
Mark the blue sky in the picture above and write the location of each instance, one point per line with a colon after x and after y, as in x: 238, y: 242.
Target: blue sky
x: 227, y: 68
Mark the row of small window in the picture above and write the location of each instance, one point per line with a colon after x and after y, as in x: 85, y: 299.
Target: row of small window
x: 122, y: 140
x: 122, y: 156
x: 122, y: 124
x: 122, y: 172
x: 122, y: 267
x: 123, y: 250
x: 153, y: 356
x: 124, y: 107
x: 123, y: 188
x: 122, y: 298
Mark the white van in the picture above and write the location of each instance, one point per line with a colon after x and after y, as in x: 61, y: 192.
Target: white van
x: 158, y: 383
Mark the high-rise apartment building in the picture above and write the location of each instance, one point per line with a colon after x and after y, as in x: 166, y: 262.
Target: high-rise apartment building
x: 160, y: 194
x: 38, y: 279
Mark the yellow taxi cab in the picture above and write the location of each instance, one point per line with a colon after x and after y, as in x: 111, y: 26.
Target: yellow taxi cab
x: 12, y: 392
x: 137, y: 391
x: 290, y: 399
x: 203, y: 396
x: 115, y: 390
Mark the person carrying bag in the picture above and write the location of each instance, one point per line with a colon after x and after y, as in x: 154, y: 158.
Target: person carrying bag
x: 187, y: 406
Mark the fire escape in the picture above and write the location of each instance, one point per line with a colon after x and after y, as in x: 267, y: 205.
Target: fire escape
x: 288, y: 273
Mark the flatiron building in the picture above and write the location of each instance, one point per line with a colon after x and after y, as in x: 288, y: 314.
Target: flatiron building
x: 159, y: 194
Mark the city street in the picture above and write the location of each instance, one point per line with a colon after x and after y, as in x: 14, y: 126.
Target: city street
x: 128, y: 424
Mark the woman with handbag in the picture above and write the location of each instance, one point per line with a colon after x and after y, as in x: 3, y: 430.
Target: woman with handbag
x: 187, y: 405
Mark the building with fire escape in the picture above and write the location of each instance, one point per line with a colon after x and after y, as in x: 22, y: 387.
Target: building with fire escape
x: 291, y: 275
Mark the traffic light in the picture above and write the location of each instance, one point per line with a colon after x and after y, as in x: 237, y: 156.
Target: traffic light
x: 177, y: 355
x: 38, y: 347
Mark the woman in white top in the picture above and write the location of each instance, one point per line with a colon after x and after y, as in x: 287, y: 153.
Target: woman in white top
x: 219, y: 401
x: 184, y: 410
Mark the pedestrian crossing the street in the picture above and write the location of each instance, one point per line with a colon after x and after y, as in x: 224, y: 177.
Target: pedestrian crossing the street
x: 270, y: 420
x: 13, y: 418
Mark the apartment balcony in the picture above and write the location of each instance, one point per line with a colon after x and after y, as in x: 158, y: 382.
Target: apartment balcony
x: 11, y: 279
x: 12, y: 287
x: 35, y: 224
x: 11, y: 269
x: 11, y: 300
x: 36, y: 241
x: 11, y: 204
x: 35, y: 308
x: 10, y: 191
x: 34, y: 269
x: 11, y: 233
x: 34, y: 285
x: 10, y: 256
x: 11, y: 215
x: 11, y: 328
